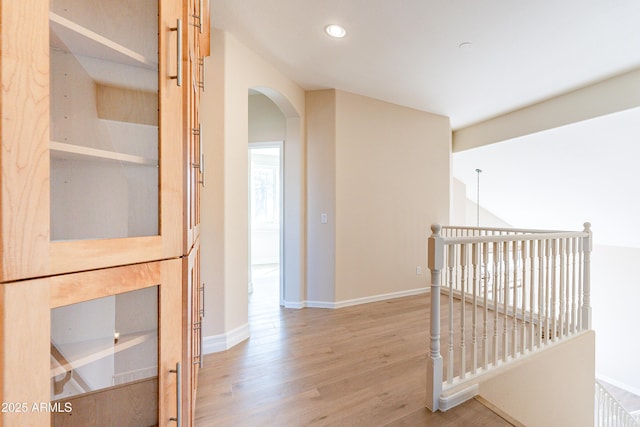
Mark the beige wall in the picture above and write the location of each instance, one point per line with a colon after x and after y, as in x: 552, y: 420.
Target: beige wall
x: 321, y: 181
x: 392, y: 180
x: 555, y: 387
x: 458, y: 215
x: 231, y: 71
x: 266, y: 121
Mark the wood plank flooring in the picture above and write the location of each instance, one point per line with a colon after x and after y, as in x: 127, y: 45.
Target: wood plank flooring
x: 355, y: 366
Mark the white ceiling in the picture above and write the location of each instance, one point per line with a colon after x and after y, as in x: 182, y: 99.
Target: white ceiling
x: 523, y: 52
x: 406, y: 51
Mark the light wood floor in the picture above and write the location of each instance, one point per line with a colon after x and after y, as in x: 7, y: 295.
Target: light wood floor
x: 355, y: 366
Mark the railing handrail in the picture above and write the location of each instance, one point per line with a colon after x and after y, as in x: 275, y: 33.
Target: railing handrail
x: 503, y: 229
x: 458, y: 240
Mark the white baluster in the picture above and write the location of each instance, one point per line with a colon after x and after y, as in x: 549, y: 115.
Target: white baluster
x: 574, y: 307
x: 523, y: 332
x: 463, y: 349
x: 567, y: 290
x: 547, y: 291
x: 494, y: 293
x: 451, y: 264
x: 586, y: 299
x: 554, y: 291
x: 532, y: 293
x: 515, y: 323
x: 475, y: 255
x: 505, y: 327
x: 541, y: 296
x: 485, y: 314
x: 434, y: 361
x: 561, y: 291
x: 580, y: 280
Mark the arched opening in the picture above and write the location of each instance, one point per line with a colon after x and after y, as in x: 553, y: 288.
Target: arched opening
x: 274, y: 131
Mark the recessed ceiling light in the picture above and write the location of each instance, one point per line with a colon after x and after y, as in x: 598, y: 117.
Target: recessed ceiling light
x: 335, y: 30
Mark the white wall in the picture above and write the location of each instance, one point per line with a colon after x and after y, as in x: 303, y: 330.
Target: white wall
x: 614, y: 299
x: 465, y: 211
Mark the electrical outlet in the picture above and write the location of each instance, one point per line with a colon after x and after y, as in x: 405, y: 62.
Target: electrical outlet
x: 418, y: 271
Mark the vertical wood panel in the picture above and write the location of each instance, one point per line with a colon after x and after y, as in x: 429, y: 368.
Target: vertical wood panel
x: 170, y: 342
x: 24, y: 135
x: 205, y: 37
x: 172, y: 135
x: 24, y: 359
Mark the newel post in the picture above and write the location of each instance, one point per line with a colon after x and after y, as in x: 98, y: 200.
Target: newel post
x: 435, y: 262
x: 587, y: 243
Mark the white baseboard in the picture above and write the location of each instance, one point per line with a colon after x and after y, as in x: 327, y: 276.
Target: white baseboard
x: 447, y: 402
x: 222, y: 342
x: 294, y: 304
x: 355, y: 301
x: 320, y: 304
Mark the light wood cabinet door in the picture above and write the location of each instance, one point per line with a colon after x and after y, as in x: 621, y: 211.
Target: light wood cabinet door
x: 92, y: 148
x: 196, y: 163
x: 116, y: 346
x: 116, y: 141
x: 102, y: 347
x: 193, y: 295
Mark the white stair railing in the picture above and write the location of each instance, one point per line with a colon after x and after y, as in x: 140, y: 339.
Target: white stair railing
x: 504, y: 293
x: 609, y: 412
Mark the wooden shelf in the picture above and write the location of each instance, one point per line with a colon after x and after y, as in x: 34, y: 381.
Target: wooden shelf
x: 82, y: 354
x: 68, y: 36
x: 61, y: 150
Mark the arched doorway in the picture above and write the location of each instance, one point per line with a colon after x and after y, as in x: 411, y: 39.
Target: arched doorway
x: 273, y: 118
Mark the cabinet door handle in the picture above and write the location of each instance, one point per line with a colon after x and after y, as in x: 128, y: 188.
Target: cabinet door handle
x: 200, y: 153
x: 198, y: 17
x: 197, y: 132
x: 202, y: 171
x: 178, y: 372
x: 202, y: 288
x: 201, y: 343
x: 201, y: 82
x: 178, y: 76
